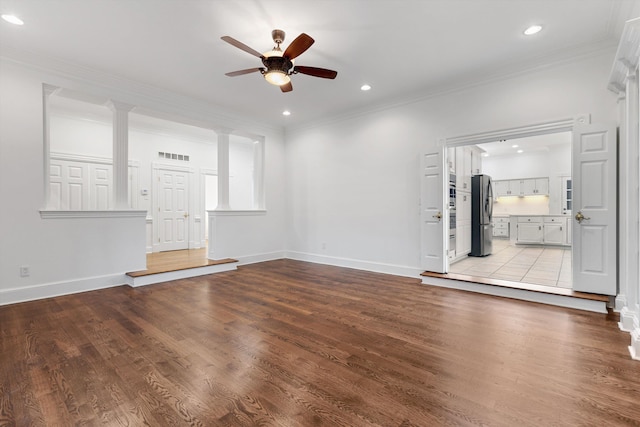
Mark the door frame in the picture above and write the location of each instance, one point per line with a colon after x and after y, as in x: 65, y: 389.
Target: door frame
x: 543, y: 128
x: 156, y: 167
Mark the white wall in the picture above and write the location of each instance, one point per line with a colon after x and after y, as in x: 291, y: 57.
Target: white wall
x: 72, y: 255
x: 353, y: 183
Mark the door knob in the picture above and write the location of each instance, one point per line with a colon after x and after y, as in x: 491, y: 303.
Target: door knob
x: 186, y: 215
x: 438, y: 215
x: 580, y: 217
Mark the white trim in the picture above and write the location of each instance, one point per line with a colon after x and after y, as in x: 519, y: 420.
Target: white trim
x: 375, y: 267
x: 232, y: 212
x: 49, y: 290
x: 628, y: 320
x: 520, y: 294
x: 627, y: 56
x: 252, y: 259
x: 552, y: 126
x: 55, y: 214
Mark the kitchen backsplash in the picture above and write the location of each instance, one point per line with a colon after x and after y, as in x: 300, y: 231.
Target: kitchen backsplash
x: 532, y: 205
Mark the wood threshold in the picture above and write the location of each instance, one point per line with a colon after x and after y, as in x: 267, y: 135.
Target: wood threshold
x: 165, y: 262
x: 518, y: 285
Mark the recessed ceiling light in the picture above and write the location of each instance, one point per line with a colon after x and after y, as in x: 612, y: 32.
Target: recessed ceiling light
x: 13, y: 19
x: 286, y: 113
x: 514, y: 146
x: 365, y: 87
x: 532, y: 30
x: 485, y: 154
x: 519, y: 151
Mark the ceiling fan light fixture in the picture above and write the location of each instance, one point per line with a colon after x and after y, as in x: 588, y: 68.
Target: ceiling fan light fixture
x: 277, y: 77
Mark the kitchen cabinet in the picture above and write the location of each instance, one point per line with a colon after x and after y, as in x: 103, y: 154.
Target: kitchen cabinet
x: 521, y: 187
x: 463, y: 239
x: 543, y: 229
x: 529, y: 230
x: 553, y: 234
x: 500, y: 226
x: 505, y: 188
x: 534, y: 187
x: 468, y: 161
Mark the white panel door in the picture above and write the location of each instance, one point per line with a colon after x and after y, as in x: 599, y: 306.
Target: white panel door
x: 69, y: 185
x: 100, y: 186
x: 594, y: 207
x: 173, y: 210
x: 433, y: 216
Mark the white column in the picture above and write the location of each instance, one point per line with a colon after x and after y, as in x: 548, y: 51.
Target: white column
x: 625, y: 206
x: 223, y: 169
x: 120, y: 154
x: 47, y: 91
x: 258, y: 174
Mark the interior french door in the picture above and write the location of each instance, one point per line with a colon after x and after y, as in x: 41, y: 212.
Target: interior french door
x: 594, y: 209
x: 432, y: 214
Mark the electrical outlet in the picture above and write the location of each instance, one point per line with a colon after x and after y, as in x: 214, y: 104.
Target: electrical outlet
x: 25, y: 271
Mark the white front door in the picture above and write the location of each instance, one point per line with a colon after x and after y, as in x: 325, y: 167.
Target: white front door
x: 173, y: 212
x: 434, y: 236
x: 594, y: 209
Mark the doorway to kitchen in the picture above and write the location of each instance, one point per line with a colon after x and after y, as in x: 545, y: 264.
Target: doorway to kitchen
x: 531, y: 216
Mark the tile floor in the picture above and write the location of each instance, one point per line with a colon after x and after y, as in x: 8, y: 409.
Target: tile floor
x: 550, y: 266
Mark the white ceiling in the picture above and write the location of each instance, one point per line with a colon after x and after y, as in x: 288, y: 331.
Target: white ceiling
x: 404, y: 49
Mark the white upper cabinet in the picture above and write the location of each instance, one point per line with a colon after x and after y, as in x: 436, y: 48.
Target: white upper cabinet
x: 521, y: 187
x: 468, y: 161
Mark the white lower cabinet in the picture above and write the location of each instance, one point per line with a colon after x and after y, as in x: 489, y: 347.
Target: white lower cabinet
x: 546, y: 230
x: 529, y: 231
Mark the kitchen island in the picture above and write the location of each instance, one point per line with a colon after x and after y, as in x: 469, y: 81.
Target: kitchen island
x: 540, y: 229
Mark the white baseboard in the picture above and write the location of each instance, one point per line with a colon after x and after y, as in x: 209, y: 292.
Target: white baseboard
x: 628, y: 320
x: 634, y: 348
x: 252, y: 259
x: 55, y: 289
x: 620, y: 303
x: 521, y: 294
x: 376, y: 267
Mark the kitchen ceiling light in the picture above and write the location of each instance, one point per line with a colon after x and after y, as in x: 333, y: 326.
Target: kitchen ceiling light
x: 519, y: 151
x: 532, y: 30
x: 514, y: 146
x: 365, y: 87
x: 286, y: 113
x: 13, y: 19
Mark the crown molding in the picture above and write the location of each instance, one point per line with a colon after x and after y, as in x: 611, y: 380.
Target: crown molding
x: 145, y: 97
x: 627, y: 56
x: 507, y: 71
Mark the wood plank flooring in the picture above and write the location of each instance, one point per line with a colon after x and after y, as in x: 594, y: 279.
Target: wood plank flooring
x: 288, y: 343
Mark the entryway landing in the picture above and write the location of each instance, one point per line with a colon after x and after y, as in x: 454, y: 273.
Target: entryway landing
x: 175, y: 265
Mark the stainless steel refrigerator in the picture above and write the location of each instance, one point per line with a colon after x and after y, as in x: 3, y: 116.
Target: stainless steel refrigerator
x: 481, y: 211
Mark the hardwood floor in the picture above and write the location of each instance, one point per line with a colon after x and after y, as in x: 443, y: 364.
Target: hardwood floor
x: 288, y: 343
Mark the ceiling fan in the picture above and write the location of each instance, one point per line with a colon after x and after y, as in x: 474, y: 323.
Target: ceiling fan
x: 278, y: 65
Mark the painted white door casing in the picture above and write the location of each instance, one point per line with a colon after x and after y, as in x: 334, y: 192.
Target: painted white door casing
x: 433, y: 217
x: 594, y: 197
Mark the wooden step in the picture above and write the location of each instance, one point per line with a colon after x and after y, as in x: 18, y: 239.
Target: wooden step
x: 525, y: 291
x: 174, y: 265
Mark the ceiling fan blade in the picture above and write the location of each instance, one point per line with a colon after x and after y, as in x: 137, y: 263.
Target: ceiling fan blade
x: 241, y: 72
x: 288, y: 87
x: 242, y: 46
x: 298, y: 46
x: 316, y: 72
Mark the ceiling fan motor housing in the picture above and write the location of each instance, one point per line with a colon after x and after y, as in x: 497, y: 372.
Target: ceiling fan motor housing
x: 277, y: 63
